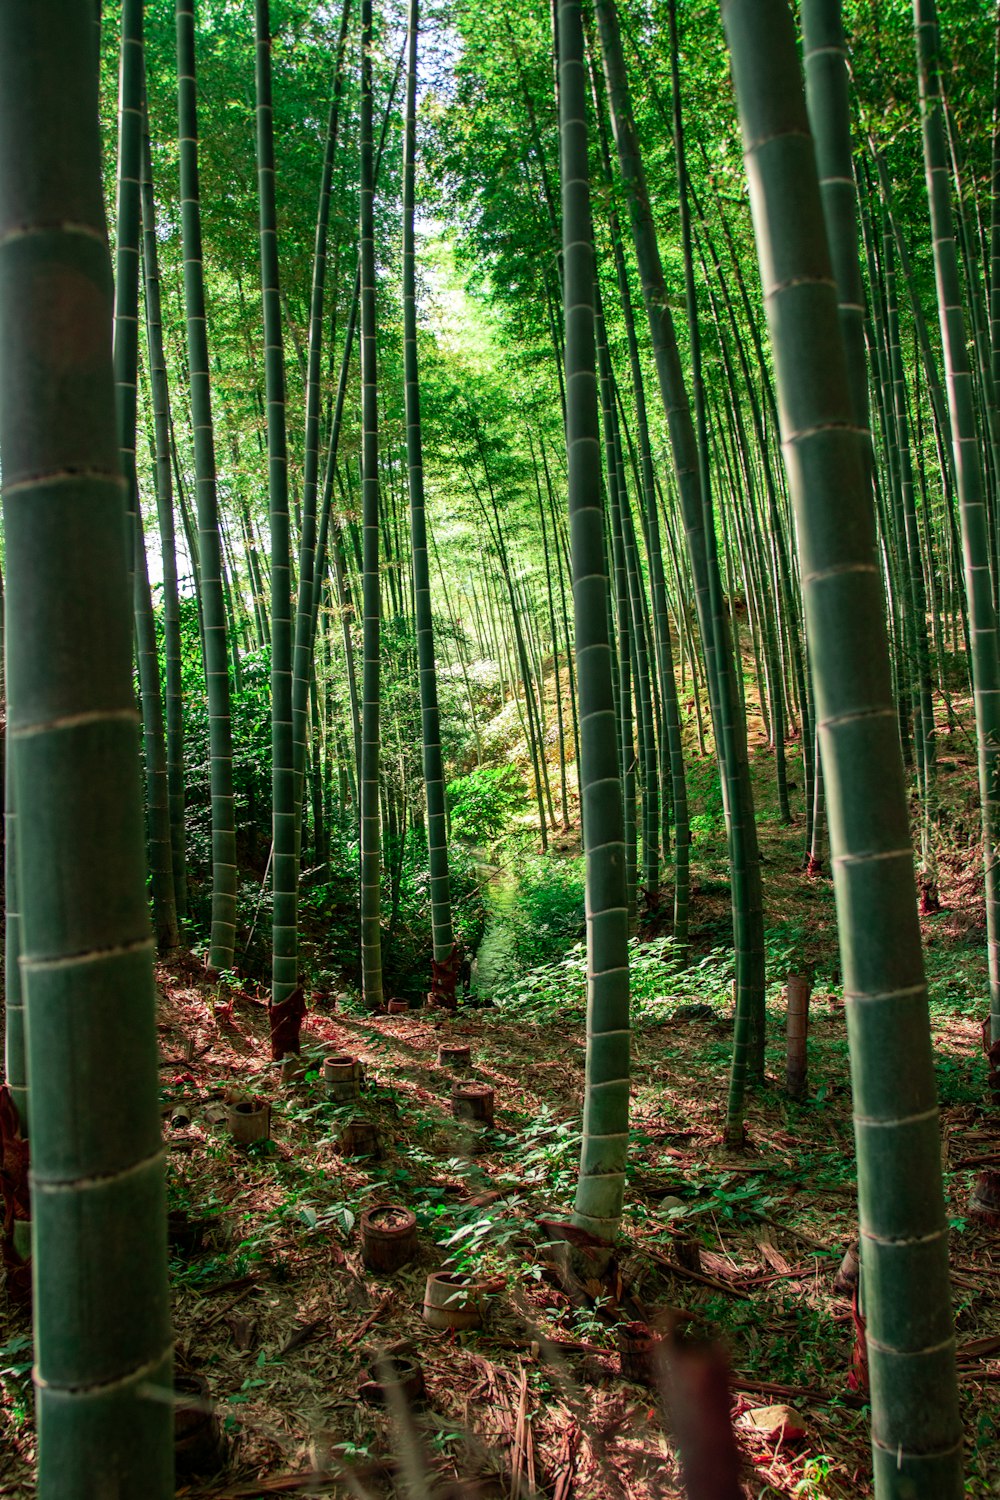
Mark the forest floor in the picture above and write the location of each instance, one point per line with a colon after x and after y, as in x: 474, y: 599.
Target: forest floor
x: 278, y: 1314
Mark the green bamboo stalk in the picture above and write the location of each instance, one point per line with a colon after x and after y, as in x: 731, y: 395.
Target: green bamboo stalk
x: 15, y: 1046
x: 828, y: 105
x: 969, y: 479
x: 224, y: 874
x: 553, y: 638
x: 463, y: 665
x: 970, y: 246
x: 165, y: 519
x: 561, y: 570
x: 285, y: 850
x: 101, y: 1309
x: 333, y: 445
x: 641, y: 675
x: 994, y: 277
x: 126, y: 364
x: 829, y: 114
x: 915, y: 1425
x: 304, y: 616
x: 730, y: 731
x: 910, y: 539
x: 785, y: 590
x: 601, y: 1185
x: 671, y: 740
x: 888, y: 497
x: 158, y: 842
x: 371, y: 933
x: 442, y: 936
x: 531, y: 723
x: 761, y: 602
x: 621, y: 613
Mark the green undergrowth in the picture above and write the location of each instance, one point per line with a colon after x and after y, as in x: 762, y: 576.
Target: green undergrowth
x: 287, y: 1213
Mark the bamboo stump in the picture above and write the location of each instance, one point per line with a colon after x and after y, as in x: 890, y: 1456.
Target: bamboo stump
x: 473, y: 1102
x: 453, y: 1301
x: 388, y: 1237
x: 342, y: 1078
x: 358, y: 1138
x: 394, y: 1373
x: 639, y: 1348
x: 984, y: 1200
x: 797, y: 991
x: 199, y: 1442
x: 453, y: 1055
x: 185, y: 1236
x: 250, y: 1121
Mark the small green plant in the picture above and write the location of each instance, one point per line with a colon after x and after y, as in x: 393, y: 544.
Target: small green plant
x: 588, y: 1324
x: 812, y: 1485
x: 484, y: 804
x: 544, y: 913
x: 15, y: 1377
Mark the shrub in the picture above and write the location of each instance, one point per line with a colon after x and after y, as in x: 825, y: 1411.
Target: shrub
x: 484, y: 804
x: 545, y: 911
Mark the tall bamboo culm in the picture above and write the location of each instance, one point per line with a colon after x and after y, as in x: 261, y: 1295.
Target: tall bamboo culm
x: 730, y: 728
x: 916, y: 1433
x: 160, y: 400
x: 371, y: 898
x: 101, y: 1311
x: 223, y: 937
x: 601, y: 1185
x: 437, y: 830
x: 126, y: 364
x: 15, y: 1061
x: 309, y: 580
x: 968, y: 477
x: 285, y: 849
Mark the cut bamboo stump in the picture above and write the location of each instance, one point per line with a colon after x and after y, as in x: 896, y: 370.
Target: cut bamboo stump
x: 453, y: 1301
x: 342, y: 1078
x: 473, y: 1102
x: 797, y: 991
x: 199, y: 1442
x: 250, y: 1121
x: 639, y: 1348
x: 984, y: 1200
x: 394, y: 1372
x: 185, y: 1236
x: 358, y: 1138
x: 453, y: 1055
x: 388, y: 1237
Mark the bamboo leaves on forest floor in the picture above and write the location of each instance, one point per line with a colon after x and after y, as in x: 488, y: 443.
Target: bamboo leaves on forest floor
x: 287, y: 1219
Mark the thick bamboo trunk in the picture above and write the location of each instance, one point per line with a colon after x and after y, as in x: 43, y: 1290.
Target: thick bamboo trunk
x: 102, y: 1320
x: 916, y: 1431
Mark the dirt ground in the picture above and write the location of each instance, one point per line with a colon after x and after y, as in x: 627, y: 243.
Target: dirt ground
x: 278, y: 1314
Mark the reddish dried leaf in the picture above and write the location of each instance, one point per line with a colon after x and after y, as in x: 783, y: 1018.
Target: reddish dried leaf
x: 286, y: 1022
x: 857, y: 1379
